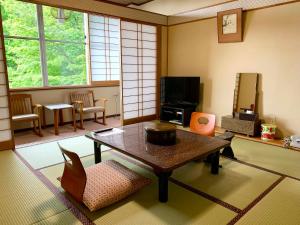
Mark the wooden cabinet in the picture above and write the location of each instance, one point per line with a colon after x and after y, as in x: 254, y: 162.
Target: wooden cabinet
x: 250, y: 128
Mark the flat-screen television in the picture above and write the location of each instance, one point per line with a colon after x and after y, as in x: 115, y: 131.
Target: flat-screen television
x: 180, y: 90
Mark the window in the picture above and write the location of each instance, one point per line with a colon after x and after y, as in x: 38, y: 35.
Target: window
x: 65, y: 48
x: 139, y: 59
x: 22, y: 44
x: 43, y: 50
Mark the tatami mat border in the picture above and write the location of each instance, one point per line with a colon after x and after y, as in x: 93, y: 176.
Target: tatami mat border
x: 185, y: 186
x: 262, y: 168
x: 205, y: 195
x: 46, y: 141
x: 45, y: 167
x: 75, y: 211
x: 256, y: 201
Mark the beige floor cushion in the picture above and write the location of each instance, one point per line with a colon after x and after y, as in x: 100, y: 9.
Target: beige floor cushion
x: 109, y: 182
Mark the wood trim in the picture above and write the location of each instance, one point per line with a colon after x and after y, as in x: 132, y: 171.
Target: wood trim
x: 158, y: 69
x: 274, y: 5
x: 121, y: 78
x: 7, y: 145
x: 139, y: 119
x: 88, y: 48
x: 11, y: 143
x: 276, y: 142
x: 204, y: 7
x: 139, y: 4
x: 246, y: 10
x: 127, y: 6
x: 95, y: 12
x: 192, y: 21
x: 94, y: 84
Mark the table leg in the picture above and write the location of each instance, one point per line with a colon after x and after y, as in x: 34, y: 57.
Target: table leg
x: 56, y: 115
x: 44, y: 117
x: 215, y: 162
x: 61, y: 117
x: 97, y: 152
x: 163, y: 185
x: 228, y: 152
x: 74, y: 119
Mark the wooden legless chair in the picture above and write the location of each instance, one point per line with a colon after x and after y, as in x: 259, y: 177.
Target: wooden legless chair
x: 99, y: 185
x: 203, y: 123
x: 85, y: 102
x: 23, y: 110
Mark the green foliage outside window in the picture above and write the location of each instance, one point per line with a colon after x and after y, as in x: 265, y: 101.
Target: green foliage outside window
x: 65, y: 46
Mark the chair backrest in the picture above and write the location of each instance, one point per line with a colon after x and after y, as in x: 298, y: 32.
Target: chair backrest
x: 203, y: 123
x: 87, y: 97
x: 74, y: 178
x: 21, y: 104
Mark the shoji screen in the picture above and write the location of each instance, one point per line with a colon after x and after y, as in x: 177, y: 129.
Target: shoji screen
x: 139, y: 70
x: 104, y: 39
x: 6, y: 138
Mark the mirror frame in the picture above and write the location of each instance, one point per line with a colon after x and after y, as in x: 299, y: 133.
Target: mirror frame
x: 237, y: 89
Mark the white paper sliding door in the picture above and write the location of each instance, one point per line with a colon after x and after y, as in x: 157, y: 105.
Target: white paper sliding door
x: 139, y: 71
x: 6, y: 138
x: 104, y: 43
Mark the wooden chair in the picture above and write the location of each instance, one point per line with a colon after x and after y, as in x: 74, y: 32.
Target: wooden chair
x: 99, y: 185
x: 203, y: 123
x: 85, y: 102
x: 23, y: 110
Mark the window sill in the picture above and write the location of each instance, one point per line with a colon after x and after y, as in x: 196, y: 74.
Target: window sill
x: 113, y: 83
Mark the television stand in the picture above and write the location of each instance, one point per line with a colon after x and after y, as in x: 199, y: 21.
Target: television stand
x: 177, y: 113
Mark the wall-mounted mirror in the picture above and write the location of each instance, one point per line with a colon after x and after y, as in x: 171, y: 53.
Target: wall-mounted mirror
x: 245, y: 93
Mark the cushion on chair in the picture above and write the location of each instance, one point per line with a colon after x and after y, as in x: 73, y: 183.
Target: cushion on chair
x: 25, y: 117
x: 93, y: 109
x: 109, y: 182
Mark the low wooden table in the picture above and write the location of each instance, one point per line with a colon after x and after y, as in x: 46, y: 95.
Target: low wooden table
x: 130, y: 140
x: 58, y: 115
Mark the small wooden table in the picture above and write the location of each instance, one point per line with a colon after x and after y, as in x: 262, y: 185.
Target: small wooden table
x: 58, y: 115
x: 130, y: 140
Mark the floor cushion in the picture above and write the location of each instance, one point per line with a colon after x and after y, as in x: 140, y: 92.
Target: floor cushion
x: 109, y: 182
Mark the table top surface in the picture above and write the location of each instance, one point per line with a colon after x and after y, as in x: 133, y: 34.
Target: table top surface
x: 130, y: 140
x: 58, y: 106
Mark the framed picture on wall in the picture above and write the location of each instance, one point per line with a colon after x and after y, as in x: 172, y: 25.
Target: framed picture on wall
x: 230, y: 26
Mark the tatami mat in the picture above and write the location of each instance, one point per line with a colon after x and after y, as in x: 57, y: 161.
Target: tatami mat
x: 23, y: 198
x: 280, y: 206
x: 63, y: 218
x: 43, y: 155
x: 274, y: 158
x: 26, y: 200
x: 183, y: 207
x: 235, y: 184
